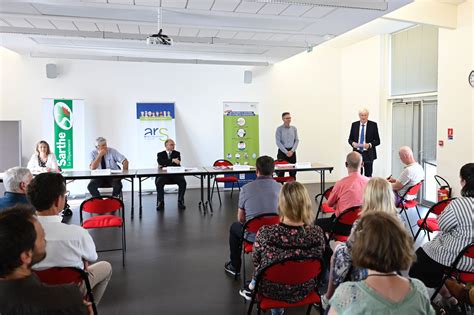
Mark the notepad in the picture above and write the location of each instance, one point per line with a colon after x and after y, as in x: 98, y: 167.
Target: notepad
x: 174, y: 169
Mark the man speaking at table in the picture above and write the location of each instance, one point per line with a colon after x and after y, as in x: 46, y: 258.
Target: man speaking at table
x: 169, y: 157
x: 364, y: 137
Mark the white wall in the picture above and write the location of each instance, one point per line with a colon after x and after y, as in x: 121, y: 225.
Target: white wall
x: 306, y: 85
x: 456, y: 96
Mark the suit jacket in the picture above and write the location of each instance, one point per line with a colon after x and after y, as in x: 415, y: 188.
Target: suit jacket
x: 164, y: 161
x: 371, y: 136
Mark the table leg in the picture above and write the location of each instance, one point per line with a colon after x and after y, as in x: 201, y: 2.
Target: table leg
x: 140, y: 196
x: 201, y: 202
x: 133, y: 196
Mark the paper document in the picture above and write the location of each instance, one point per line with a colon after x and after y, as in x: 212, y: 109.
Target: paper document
x: 101, y: 171
x: 303, y: 165
x: 174, y: 169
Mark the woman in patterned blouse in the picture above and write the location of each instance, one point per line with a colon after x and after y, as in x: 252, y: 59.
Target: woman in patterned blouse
x: 456, y: 225
x: 294, y: 236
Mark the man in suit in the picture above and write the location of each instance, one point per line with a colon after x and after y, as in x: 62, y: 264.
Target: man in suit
x: 169, y: 157
x: 364, y: 137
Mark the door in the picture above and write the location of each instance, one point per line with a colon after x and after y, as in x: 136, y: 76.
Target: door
x: 414, y: 125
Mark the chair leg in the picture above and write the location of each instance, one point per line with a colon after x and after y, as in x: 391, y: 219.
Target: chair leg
x: 418, y: 212
x: 417, y: 233
x: 308, y: 311
x: 232, y: 191
x: 409, y: 223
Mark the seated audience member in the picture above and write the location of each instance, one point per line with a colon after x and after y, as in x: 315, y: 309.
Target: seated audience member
x: 257, y: 197
x: 67, y: 245
x: 15, y: 180
x: 456, y: 225
x: 294, y: 236
x: 347, y: 192
x: 43, y: 160
x: 22, y: 245
x: 103, y: 157
x: 378, y: 197
x: 412, y: 174
x: 169, y: 157
x: 384, y: 247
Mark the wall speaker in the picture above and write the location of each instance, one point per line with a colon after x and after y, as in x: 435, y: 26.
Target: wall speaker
x: 51, y: 71
x: 247, y: 76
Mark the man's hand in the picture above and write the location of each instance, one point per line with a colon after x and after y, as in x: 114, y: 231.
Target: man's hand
x: 102, y: 151
x: 366, y: 146
x: 355, y: 145
x: 176, y: 161
x: 90, y: 310
x: 290, y: 153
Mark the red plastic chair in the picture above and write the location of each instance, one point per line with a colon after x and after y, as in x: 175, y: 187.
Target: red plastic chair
x: 345, y: 219
x: 289, y: 272
x: 405, y: 204
x: 283, y: 179
x: 100, y: 206
x: 430, y: 224
x: 67, y: 275
x: 252, y: 226
x: 224, y: 179
x: 454, y: 272
x: 323, y: 206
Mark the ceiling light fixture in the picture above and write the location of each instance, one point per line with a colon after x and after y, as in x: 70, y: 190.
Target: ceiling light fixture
x: 379, y: 5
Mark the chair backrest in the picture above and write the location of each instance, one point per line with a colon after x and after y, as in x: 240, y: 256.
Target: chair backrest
x: 222, y: 162
x: 101, y: 205
x: 349, y: 216
x: 281, y: 162
x: 467, y: 251
x: 413, y: 190
x: 254, y: 224
x: 61, y: 275
x: 327, y: 193
x: 291, y: 271
x: 439, y: 207
x: 67, y: 275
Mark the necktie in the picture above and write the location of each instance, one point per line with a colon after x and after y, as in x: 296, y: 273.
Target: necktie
x: 169, y: 155
x: 362, y: 137
x: 102, y: 163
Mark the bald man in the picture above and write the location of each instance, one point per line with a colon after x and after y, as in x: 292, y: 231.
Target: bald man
x: 412, y: 174
x: 364, y: 137
x: 347, y: 192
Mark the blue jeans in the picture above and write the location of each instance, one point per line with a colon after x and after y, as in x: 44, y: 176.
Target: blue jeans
x: 277, y: 311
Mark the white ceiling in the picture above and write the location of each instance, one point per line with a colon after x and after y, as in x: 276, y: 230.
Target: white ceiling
x: 203, y: 31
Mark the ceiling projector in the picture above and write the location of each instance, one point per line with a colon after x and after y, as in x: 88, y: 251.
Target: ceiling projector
x: 159, y: 39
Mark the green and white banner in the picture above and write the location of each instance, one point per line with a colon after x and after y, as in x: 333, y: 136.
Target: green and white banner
x: 63, y: 129
x: 241, y: 134
x: 63, y: 133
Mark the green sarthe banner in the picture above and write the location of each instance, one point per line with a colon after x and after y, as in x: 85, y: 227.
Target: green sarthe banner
x: 63, y: 133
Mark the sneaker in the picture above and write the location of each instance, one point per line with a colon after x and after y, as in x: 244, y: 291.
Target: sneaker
x: 229, y: 268
x: 246, y: 294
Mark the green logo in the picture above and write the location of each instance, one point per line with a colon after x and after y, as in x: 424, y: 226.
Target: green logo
x: 63, y: 116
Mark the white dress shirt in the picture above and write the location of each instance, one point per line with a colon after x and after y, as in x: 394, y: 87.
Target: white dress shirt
x: 67, y: 245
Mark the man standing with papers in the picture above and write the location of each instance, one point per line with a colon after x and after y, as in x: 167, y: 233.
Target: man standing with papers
x: 169, y: 157
x: 103, y: 157
x: 286, y: 138
x: 364, y: 137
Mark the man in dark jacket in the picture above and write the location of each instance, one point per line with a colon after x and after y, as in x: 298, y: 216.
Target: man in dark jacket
x: 166, y: 158
x: 364, y: 137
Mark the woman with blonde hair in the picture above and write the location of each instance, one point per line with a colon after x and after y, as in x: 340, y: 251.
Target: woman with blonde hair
x: 294, y: 236
x: 383, y: 247
x: 43, y: 160
x: 378, y: 197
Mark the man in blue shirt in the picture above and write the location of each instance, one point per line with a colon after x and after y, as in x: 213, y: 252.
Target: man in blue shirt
x: 104, y: 157
x: 16, y: 180
x: 286, y: 138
